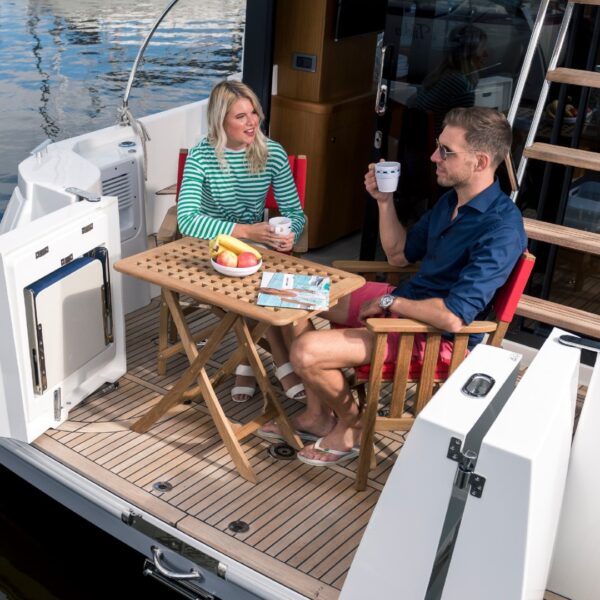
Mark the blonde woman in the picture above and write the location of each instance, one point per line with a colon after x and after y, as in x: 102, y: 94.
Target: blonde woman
x: 225, y: 183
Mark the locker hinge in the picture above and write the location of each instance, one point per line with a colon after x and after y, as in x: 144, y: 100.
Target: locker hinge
x: 465, y: 473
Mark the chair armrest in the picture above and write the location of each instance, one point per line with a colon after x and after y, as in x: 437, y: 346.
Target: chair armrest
x: 372, y: 266
x: 167, y: 231
x: 382, y: 325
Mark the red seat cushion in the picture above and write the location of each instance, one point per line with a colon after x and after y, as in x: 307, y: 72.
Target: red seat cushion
x: 414, y: 372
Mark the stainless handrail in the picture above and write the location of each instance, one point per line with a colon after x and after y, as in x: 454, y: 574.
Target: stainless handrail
x: 125, y: 116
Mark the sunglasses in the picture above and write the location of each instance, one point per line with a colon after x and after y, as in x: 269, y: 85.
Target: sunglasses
x: 444, y: 152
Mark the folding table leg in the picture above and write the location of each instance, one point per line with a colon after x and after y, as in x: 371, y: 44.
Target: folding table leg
x: 225, y: 429
x: 190, y: 375
x: 272, y: 403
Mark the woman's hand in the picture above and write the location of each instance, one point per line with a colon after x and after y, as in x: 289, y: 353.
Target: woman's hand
x: 263, y: 233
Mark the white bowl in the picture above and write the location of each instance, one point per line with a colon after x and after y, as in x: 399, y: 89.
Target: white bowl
x: 235, y: 271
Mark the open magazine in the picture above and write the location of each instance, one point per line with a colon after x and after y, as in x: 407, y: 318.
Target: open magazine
x: 286, y: 290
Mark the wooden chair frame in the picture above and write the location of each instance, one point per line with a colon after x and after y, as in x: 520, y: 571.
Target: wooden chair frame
x: 426, y: 377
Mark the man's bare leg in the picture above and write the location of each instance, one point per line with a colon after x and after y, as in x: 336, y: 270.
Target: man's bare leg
x: 318, y: 357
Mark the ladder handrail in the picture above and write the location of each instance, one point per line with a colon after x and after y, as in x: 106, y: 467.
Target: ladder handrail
x: 539, y: 109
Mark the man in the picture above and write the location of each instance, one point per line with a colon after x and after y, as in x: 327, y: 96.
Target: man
x: 468, y: 244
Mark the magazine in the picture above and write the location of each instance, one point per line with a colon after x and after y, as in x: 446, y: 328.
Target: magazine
x: 286, y: 290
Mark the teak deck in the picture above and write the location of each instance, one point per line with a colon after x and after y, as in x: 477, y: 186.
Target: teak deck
x: 305, y: 522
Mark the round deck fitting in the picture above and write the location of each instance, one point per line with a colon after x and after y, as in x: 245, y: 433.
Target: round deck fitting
x: 282, y: 451
x: 162, y: 486
x: 238, y: 526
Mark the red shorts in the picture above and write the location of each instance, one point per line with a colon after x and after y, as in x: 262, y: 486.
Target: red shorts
x: 373, y: 289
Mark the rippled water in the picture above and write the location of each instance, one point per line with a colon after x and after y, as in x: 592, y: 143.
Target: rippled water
x: 64, y: 65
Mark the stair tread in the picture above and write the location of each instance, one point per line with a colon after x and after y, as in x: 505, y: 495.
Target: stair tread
x: 559, y: 315
x: 575, y: 77
x: 562, y: 155
x: 561, y: 235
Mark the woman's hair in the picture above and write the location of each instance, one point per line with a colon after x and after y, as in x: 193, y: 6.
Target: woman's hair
x: 222, y: 97
x: 486, y: 130
x: 464, y: 44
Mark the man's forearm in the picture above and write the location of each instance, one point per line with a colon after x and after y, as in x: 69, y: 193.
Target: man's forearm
x: 392, y: 234
x: 432, y: 311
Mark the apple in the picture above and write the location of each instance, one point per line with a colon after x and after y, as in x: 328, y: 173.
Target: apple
x: 227, y: 258
x: 246, y: 259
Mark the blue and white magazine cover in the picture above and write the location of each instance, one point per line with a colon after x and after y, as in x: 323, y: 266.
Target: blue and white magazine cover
x: 287, y: 290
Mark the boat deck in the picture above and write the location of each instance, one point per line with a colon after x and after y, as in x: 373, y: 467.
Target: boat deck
x: 305, y: 522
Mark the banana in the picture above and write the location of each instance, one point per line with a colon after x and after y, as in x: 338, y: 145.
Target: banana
x: 228, y: 242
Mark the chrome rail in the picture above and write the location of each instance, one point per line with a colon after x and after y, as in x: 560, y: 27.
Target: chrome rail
x: 125, y: 115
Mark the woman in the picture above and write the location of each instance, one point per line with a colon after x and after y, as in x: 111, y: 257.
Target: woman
x: 225, y: 183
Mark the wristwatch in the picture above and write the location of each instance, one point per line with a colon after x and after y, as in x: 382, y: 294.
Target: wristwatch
x: 386, y: 301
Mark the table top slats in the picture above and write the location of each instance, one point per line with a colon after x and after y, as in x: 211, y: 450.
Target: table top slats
x: 184, y: 266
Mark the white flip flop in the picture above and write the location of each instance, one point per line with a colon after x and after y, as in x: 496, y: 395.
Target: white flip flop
x: 296, y: 392
x: 340, y: 454
x: 243, y: 390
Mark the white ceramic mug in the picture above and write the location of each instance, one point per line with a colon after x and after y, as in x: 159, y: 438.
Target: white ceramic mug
x: 387, y: 175
x: 281, y: 225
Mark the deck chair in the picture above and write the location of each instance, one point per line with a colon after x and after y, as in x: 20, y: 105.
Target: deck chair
x: 168, y: 230
x: 427, y: 374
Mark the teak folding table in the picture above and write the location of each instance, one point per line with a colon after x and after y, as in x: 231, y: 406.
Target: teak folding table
x: 183, y: 267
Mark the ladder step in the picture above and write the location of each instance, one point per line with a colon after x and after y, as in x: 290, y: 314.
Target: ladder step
x: 591, y: 2
x: 564, y: 156
x: 575, y: 77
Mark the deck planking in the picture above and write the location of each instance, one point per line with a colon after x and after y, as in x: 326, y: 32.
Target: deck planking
x: 305, y: 522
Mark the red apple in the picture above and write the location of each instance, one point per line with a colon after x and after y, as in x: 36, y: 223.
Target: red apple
x: 246, y: 259
x: 227, y: 258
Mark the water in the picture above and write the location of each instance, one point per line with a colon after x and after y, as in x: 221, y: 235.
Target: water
x: 64, y: 66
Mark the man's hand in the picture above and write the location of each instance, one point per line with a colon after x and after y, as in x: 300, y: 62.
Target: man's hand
x: 371, y: 186
x: 369, y: 309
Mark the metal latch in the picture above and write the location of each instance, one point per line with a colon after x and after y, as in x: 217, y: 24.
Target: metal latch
x: 83, y: 194
x: 465, y: 475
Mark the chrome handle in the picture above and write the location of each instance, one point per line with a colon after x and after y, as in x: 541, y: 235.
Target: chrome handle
x: 381, y: 98
x: 157, y: 555
x: 83, y: 194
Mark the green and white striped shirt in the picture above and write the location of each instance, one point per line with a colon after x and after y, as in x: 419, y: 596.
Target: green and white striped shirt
x: 212, y: 200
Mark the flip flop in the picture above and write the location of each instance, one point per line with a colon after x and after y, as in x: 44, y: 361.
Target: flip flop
x: 241, y: 391
x: 340, y: 454
x: 275, y: 436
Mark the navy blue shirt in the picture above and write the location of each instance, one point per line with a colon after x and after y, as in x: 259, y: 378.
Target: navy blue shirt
x: 466, y: 260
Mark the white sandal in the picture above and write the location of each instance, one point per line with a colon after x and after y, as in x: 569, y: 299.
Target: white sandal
x: 296, y: 392
x: 243, y: 391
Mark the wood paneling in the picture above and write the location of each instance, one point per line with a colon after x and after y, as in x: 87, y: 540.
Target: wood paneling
x: 337, y: 139
x: 344, y: 68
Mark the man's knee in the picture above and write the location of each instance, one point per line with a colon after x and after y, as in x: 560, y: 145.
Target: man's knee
x: 303, y: 350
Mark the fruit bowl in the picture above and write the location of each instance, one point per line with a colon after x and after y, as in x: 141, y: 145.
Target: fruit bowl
x: 235, y: 271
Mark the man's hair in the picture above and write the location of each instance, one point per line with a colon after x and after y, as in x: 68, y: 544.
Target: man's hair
x: 220, y: 101
x: 486, y: 130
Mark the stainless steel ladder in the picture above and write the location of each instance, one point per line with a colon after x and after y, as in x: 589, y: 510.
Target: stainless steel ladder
x: 563, y: 155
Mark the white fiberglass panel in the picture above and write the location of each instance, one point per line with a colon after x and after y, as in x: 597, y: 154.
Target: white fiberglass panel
x: 396, y: 555
x: 504, y: 545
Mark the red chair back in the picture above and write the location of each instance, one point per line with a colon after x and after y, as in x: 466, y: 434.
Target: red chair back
x: 183, y: 152
x: 298, y: 166
x: 507, y: 297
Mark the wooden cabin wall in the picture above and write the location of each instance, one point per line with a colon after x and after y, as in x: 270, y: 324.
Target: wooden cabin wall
x: 326, y: 114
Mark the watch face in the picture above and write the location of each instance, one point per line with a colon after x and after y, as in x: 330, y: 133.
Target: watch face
x: 386, y: 301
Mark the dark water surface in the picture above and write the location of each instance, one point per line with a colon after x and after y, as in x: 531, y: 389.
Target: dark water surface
x: 64, y: 65
x: 49, y: 553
